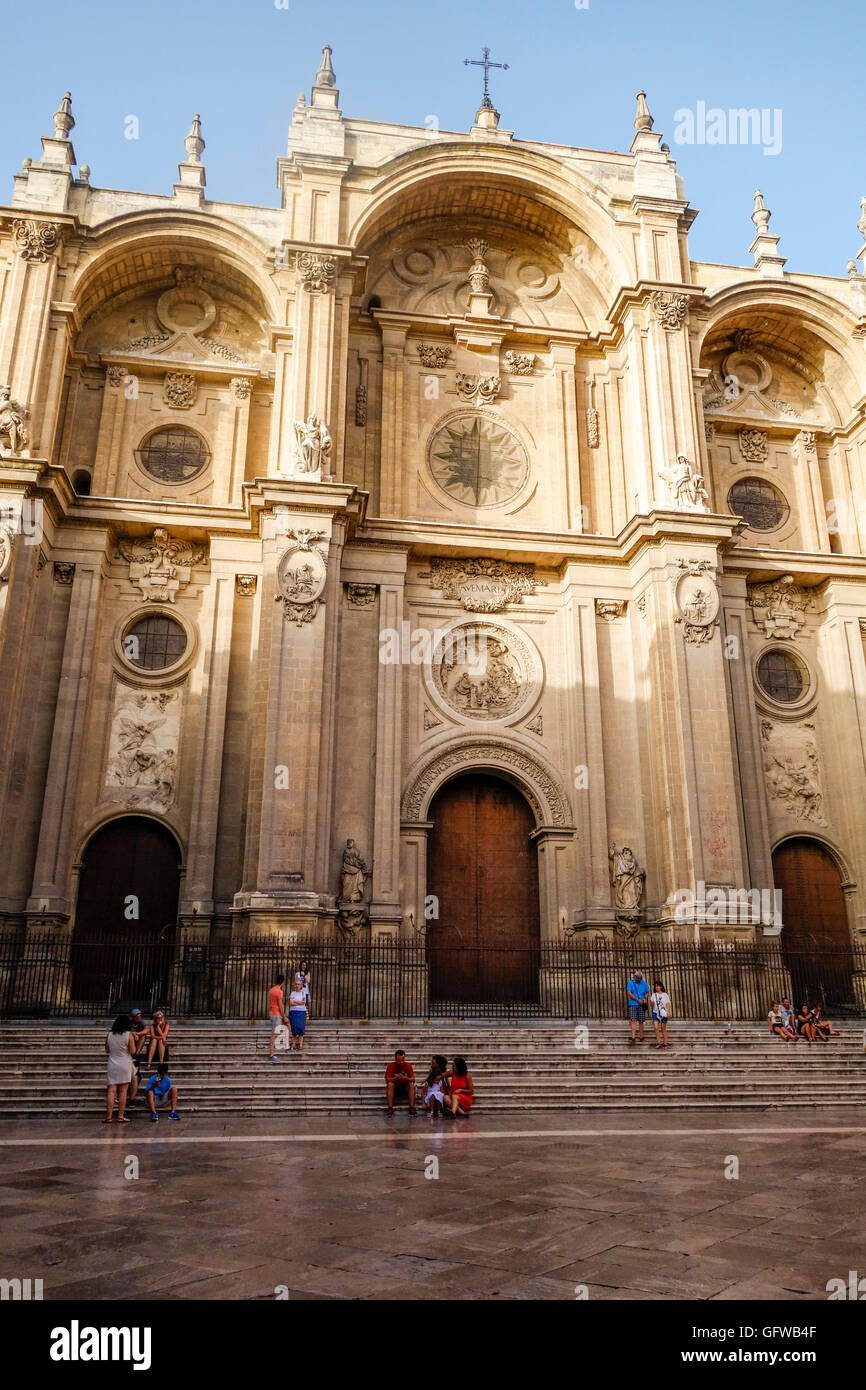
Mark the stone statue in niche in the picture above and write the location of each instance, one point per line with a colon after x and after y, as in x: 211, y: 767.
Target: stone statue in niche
x: 628, y: 882
x: 13, y: 424
x: 685, y: 486
x: 353, y: 874
x: 313, y: 443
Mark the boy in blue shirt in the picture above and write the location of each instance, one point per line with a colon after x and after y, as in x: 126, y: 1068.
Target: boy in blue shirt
x: 161, y: 1092
x: 637, y: 991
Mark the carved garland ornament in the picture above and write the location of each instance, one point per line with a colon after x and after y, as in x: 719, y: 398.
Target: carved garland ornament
x: 478, y: 390
x: 482, y: 585
x: 520, y: 363
x: 434, y: 354
x: 545, y: 797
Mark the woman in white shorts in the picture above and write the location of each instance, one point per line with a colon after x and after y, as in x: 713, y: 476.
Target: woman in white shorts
x: 660, y: 1003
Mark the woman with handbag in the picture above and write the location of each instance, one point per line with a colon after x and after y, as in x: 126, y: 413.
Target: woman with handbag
x: 661, y: 1007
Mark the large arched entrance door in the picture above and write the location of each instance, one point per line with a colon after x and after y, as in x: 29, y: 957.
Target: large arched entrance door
x: 482, y: 867
x: 126, y: 914
x: 816, y: 942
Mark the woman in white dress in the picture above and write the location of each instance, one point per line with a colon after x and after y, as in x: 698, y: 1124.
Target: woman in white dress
x: 119, y: 1045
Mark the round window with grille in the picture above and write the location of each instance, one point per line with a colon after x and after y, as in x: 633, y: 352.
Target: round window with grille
x: 759, y: 504
x: 174, y: 454
x: 782, y: 676
x: 154, y: 643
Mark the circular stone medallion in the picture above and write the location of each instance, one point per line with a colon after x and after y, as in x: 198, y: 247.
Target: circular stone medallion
x: 477, y: 460
x: 484, y: 672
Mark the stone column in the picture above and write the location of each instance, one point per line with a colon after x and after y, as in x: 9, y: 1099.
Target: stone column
x: 565, y: 498
x: 390, y: 483
x: 385, y: 909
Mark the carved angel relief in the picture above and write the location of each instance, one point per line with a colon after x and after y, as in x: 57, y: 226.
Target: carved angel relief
x: 143, y: 747
x: 792, y: 769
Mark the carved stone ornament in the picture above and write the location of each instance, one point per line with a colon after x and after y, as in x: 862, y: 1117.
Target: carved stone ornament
x: 754, y: 446
x: 479, y: 275
x: 483, y: 672
x: 245, y: 585
x: 477, y: 459
x: 160, y: 565
x: 430, y: 720
x: 6, y: 534
x: 685, y: 484
x: 361, y: 393
x: 434, y: 354
x: 779, y: 608
x: 361, y: 595
x: 312, y: 449
x: 354, y: 874
x: 520, y: 363
x: 627, y: 880
x: 143, y: 747
x: 482, y: 585
x: 241, y: 388
x: 301, y: 576
x: 609, y: 609
x: 351, y: 921
x: 546, y: 798
x: 316, y: 273
x: 478, y: 390
x: 792, y: 769
x: 64, y: 572
x: 697, y: 601
x: 14, y: 434
x: 115, y: 375
x: 536, y: 725
x: 592, y: 433
x: 669, y: 309
x: 179, y: 390
x: 804, y: 443
x: 34, y: 240
x: 709, y: 431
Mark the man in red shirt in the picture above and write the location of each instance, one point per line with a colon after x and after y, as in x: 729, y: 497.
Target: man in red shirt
x: 400, y: 1082
x: 276, y: 1013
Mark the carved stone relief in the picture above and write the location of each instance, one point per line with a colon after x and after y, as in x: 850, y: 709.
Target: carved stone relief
x: 754, y: 446
x: 685, y: 485
x: 14, y: 434
x: 245, y: 585
x: 64, y: 572
x: 316, y: 273
x: 627, y: 880
x: 160, y: 565
x: 792, y: 769
x: 610, y: 609
x: 34, y: 240
x: 520, y: 363
x: 179, y: 390
x: 544, y: 796
x: 669, y: 309
x: 301, y: 575
x: 143, y: 747
x: 241, y: 388
x: 477, y: 460
x: 312, y: 448
x: 361, y: 595
x: 478, y: 390
x: 779, y: 608
x: 483, y: 672
x: 592, y: 431
x: 434, y: 354
x: 482, y: 585
x: 697, y: 600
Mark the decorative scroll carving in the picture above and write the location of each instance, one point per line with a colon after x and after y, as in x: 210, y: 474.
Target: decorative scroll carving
x: 316, y: 273
x: 545, y: 797
x: 779, y: 608
x: 241, y: 388
x: 301, y: 576
x: 179, y: 390
x: 160, y: 565
x: 115, y: 376
x: 478, y: 390
x: 143, y: 747
x: 609, y: 609
x: 669, y: 309
x: 245, y: 585
x: 792, y: 769
x: 520, y: 363
x: 627, y: 881
x: 685, y: 486
x: 361, y: 595
x: 592, y: 432
x: 64, y: 572
x: 34, y: 240
x: 754, y: 446
x: 13, y: 424
x: 482, y: 585
x: 312, y: 447
x: 434, y: 354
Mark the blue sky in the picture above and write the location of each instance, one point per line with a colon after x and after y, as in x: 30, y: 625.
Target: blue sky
x: 573, y: 77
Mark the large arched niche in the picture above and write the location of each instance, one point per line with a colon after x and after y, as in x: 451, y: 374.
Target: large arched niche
x: 537, y: 782
x: 522, y: 205
x: 805, y: 339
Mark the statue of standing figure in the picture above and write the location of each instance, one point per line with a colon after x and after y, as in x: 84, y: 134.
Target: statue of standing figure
x: 313, y: 443
x: 686, y: 486
x: 353, y: 874
x: 628, y: 884
x: 13, y: 426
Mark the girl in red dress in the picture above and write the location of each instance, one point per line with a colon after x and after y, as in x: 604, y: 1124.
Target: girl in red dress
x: 462, y: 1087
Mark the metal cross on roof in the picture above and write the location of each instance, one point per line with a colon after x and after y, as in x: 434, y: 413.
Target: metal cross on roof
x: 486, y: 64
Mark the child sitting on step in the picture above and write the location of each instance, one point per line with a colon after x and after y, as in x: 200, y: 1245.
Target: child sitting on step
x: 436, y: 1086
x: 161, y: 1092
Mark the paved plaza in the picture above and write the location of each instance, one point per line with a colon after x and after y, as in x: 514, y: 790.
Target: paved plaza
x: 631, y: 1207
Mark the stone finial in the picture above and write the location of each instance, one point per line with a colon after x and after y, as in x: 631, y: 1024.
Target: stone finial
x: 194, y: 144
x: 63, y: 118
x: 761, y: 215
x: 326, y: 76
x: 84, y: 173
x: 643, y: 120
x: 301, y: 102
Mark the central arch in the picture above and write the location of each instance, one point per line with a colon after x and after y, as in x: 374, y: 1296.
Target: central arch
x: 482, y: 871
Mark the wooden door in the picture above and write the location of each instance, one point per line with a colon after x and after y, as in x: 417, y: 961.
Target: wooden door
x: 126, y: 914
x: 816, y: 942
x: 482, y: 867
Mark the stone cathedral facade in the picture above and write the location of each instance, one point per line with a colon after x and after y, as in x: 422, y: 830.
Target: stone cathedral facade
x: 441, y: 551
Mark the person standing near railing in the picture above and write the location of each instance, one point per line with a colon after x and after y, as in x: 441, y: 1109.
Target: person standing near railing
x: 637, y: 993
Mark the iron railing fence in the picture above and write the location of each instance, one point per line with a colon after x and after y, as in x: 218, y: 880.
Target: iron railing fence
x: 54, y: 976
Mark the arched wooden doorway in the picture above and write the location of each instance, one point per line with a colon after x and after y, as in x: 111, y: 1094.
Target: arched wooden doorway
x: 816, y: 942
x: 126, y: 914
x: 482, y: 867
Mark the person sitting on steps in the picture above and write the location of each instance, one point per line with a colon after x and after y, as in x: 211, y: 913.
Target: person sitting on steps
x: 400, y: 1082
x: 161, y: 1092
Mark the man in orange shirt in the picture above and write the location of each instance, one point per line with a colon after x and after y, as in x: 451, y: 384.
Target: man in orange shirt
x: 276, y: 1013
x: 400, y: 1081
